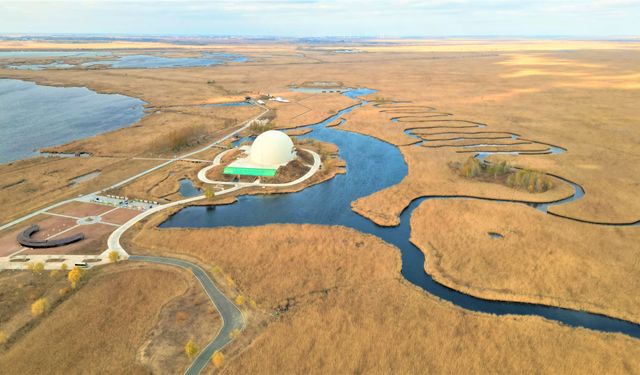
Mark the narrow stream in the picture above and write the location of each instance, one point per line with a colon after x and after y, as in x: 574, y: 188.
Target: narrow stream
x: 373, y: 165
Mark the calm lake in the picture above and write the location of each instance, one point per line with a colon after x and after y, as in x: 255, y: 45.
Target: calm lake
x: 34, y: 116
x: 148, y: 61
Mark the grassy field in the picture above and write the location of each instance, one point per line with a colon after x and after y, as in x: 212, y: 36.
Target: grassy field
x: 35, y: 183
x: 333, y: 299
x: 162, y: 185
x: 111, y: 324
x: 594, y: 269
x: 335, y: 302
x: 430, y: 174
x: 543, y: 96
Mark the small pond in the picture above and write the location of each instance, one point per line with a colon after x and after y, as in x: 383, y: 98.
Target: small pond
x: 187, y: 189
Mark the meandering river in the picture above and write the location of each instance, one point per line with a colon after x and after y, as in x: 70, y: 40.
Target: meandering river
x: 372, y: 165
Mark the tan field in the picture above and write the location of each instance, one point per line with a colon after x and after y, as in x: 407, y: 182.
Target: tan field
x: 19, y: 290
x: 384, y: 207
x: 163, y: 184
x: 330, y: 299
x: 565, y: 264
x: 336, y: 291
x: 35, y: 183
x: 108, y: 320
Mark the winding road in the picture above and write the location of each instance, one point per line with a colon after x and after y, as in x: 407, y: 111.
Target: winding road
x: 232, y: 318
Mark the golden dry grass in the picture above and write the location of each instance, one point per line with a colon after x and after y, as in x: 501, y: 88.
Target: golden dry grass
x: 430, y: 174
x: 309, y: 249
x: 594, y: 125
x: 36, y: 183
x: 102, y: 325
x: 389, y: 327
x: 469, y: 45
x: 158, y: 133
x: 343, y: 308
x: 18, y: 290
x: 370, y: 121
x: 163, y: 184
x: 189, y: 316
x: 568, y: 264
x: 586, y: 89
x: 584, y: 100
x: 307, y: 108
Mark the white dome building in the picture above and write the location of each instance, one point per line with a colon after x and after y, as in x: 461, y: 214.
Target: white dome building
x: 272, y: 149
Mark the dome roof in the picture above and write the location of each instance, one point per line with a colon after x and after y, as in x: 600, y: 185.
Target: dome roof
x: 272, y: 148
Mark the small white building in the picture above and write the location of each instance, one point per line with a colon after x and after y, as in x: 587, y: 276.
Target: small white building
x: 279, y: 99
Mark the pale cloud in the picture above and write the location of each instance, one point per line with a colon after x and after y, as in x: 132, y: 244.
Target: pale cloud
x: 323, y: 17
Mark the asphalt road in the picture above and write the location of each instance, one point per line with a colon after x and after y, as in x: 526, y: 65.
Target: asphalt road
x: 232, y: 317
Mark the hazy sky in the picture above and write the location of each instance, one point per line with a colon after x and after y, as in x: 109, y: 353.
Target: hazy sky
x: 324, y: 17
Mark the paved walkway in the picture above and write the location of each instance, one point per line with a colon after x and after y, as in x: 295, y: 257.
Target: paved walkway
x: 202, y: 174
x: 123, y: 182
x: 232, y: 317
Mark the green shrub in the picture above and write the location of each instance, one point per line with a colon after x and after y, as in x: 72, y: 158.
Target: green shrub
x: 533, y: 181
x: 499, y: 169
x: 471, y: 168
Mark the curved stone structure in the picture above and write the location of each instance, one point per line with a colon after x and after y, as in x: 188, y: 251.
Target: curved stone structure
x: 24, y: 239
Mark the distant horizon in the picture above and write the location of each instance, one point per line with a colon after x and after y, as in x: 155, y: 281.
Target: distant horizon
x: 328, y: 36
x: 324, y: 18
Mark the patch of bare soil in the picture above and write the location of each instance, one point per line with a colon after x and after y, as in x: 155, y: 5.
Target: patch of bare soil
x: 189, y: 316
x: 103, y: 324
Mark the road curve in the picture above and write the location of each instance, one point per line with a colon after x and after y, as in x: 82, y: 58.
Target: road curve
x: 232, y: 317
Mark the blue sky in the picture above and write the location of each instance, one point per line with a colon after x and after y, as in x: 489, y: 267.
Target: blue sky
x: 597, y: 18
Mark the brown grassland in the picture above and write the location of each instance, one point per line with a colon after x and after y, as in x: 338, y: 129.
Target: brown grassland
x: 110, y: 318
x: 596, y: 269
x: 430, y: 174
x: 163, y: 184
x: 35, y: 183
x: 335, y: 302
x: 18, y: 290
x: 330, y: 299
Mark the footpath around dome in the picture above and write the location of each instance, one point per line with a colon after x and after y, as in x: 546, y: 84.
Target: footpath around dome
x: 270, y: 150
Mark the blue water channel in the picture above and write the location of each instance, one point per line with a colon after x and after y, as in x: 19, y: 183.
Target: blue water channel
x: 372, y: 165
